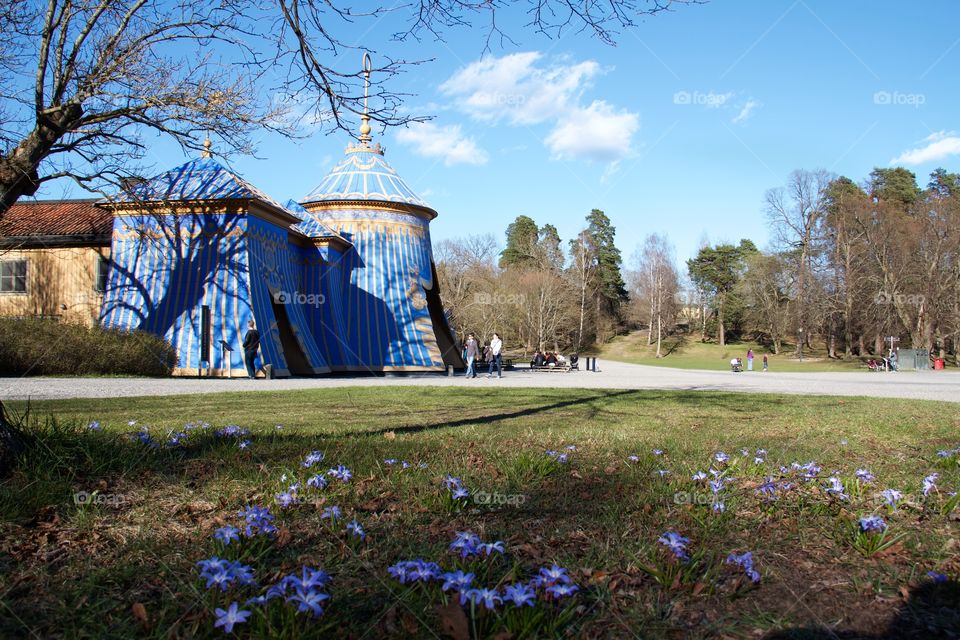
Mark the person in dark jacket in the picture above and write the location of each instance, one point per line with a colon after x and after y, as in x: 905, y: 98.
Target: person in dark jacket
x: 251, y: 344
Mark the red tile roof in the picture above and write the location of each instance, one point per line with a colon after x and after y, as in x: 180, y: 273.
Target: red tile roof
x: 55, y: 218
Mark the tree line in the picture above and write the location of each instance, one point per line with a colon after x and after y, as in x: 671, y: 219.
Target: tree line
x: 849, y: 266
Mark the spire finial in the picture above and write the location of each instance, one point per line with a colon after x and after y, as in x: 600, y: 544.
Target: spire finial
x: 365, y: 137
x: 206, y: 147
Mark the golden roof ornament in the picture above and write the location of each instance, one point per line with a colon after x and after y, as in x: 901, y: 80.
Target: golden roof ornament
x: 365, y: 138
x: 206, y: 148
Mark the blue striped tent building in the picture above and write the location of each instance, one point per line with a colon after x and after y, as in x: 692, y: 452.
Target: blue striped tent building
x: 343, y: 280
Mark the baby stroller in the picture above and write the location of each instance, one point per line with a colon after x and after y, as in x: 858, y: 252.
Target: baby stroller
x: 736, y: 365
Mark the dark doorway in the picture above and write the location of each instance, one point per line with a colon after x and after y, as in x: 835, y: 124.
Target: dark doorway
x: 296, y: 360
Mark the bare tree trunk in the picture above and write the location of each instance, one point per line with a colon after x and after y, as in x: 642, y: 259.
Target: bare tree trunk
x: 659, y: 333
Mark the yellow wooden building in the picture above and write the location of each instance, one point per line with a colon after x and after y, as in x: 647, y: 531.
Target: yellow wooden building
x: 54, y: 259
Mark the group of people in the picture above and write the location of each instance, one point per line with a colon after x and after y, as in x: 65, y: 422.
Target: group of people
x: 475, y: 354
x: 883, y: 364
x: 548, y: 359
x: 736, y: 364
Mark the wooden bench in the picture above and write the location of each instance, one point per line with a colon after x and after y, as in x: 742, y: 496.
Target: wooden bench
x: 557, y: 367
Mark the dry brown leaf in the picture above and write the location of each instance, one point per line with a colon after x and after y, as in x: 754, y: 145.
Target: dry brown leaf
x: 140, y: 613
x: 698, y: 587
x: 453, y: 621
x: 283, y: 536
x: 390, y: 435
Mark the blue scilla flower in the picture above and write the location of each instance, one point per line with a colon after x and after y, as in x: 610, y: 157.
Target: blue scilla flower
x: 835, y: 488
x: 938, y: 578
x: 456, y: 580
x: 340, y: 472
x: 551, y: 575
x: 489, y: 548
x: 241, y: 573
x: 718, y: 506
x: 699, y: 476
x: 312, y: 458
x: 892, y: 496
x: 258, y: 521
x: 308, y: 601
x: 423, y: 571
x: 460, y: 493
x: 244, y: 444
x: 94, y: 426
x: 562, y: 458
x: 658, y: 452
x: 768, y: 489
x: 390, y: 462
x: 930, y: 483
x: 662, y: 473
x: 676, y: 543
x: 227, y: 534
x: 489, y: 598
x: 452, y: 482
x: 318, y: 481
x: 571, y: 447
x: 332, y: 513
x: 230, y: 616
x: 552, y: 453
x: 232, y: 430
x: 744, y: 560
x: 633, y: 458
x: 287, y: 499
x: 520, y: 594
x: 466, y: 543
x: 810, y: 470
x: 872, y: 523
x: 745, y: 452
x: 863, y: 476
x: 405, y: 465
x: 356, y: 530
x: 562, y: 590
x: 720, y: 457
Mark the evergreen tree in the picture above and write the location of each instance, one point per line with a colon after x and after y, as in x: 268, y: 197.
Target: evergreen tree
x: 522, y: 244
x: 609, y: 278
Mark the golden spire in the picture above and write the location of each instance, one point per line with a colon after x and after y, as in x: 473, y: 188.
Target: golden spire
x: 206, y: 147
x: 365, y: 118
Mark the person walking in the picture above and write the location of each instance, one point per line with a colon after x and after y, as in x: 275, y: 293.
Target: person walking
x: 764, y: 362
x: 251, y: 344
x: 473, y: 351
x: 496, y: 347
x: 749, y: 359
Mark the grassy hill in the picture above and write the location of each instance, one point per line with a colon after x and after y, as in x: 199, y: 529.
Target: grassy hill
x: 687, y: 352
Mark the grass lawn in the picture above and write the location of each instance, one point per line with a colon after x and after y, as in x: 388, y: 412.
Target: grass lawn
x: 122, y: 562
x: 687, y: 352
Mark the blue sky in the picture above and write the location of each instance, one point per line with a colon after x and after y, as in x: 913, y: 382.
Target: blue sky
x: 679, y: 129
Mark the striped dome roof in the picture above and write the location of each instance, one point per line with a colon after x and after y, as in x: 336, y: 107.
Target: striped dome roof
x: 364, y: 175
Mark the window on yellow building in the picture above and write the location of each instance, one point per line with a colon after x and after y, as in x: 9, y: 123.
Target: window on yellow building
x: 103, y: 270
x: 13, y: 276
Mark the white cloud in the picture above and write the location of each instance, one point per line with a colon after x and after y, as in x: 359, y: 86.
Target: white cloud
x: 447, y: 142
x: 939, y: 146
x: 598, y: 132
x: 526, y: 89
x: 746, y: 111
x: 514, y: 88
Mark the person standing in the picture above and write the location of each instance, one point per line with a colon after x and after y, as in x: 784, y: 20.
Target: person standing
x: 496, y: 347
x: 749, y: 359
x: 473, y: 351
x: 764, y: 362
x: 251, y: 344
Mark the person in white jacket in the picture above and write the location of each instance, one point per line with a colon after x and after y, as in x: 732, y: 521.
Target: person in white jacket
x: 496, y: 347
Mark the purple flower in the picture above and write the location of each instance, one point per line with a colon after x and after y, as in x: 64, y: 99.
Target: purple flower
x: 662, y: 473
x: 466, y: 543
x: 340, y: 472
x: 658, y: 452
x: 758, y: 460
x: 227, y: 534
x: 333, y: 513
x: 872, y: 523
x: 520, y: 594
x: 232, y: 430
x: 718, y: 506
x: 312, y: 458
x: 699, y: 476
x: 452, y: 482
x: 571, y: 447
x: 243, y: 444
x: 356, y: 530
x: 318, y: 481
x: 94, y: 426
x: 562, y: 590
x: 488, y: 548
x: 721, y: 457
x: 231, y: 616
x: 308, y: 600
x: 286, y: 499
x: 676, y: 544
x: 404, y: 465
x: 554, y: 574
x: 414, y: 571
x: 938, y: 578
x: 390, y: 462
x: 836, y: 488
x: 892, y: 496
x: 258, y: 520
x: 460, y: 493
x: 456, y: 580
x: 863, y: 476
x: 930, y: 483
x: 633, y: 458
x: 562, y: 458
x: 488, y: 597
x: 744, y: 452
x: 744, y: 560
x: 768, y: 489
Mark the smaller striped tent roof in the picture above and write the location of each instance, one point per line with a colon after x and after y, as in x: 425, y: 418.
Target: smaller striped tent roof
x: 364, y: 175
x: 309, y: 226
x: 200, y: 179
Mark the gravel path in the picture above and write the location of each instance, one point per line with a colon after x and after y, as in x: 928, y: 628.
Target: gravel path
x: 939, y: 385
